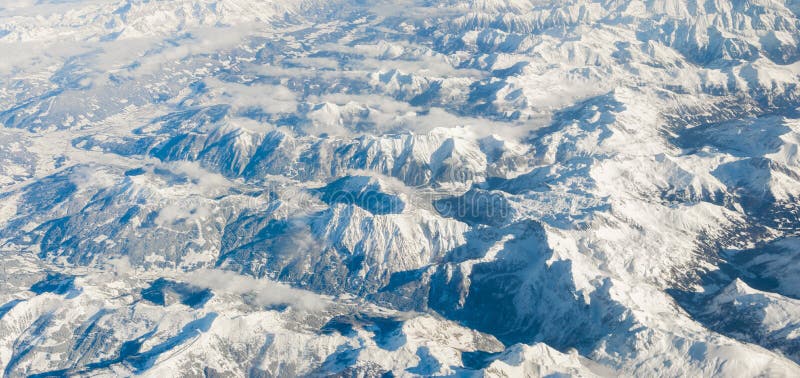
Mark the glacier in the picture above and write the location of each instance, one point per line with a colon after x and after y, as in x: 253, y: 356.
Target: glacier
x: 498, y: 188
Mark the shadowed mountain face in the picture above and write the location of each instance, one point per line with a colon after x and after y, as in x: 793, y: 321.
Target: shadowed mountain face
x: 407, y: 188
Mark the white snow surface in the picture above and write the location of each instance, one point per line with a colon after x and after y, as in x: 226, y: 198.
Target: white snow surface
x: 422, y: 188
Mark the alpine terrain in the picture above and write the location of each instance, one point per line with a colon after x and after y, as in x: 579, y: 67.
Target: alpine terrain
x: 363, y: 188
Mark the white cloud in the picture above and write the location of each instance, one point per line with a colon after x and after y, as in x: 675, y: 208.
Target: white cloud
x: 262, y: 291
x: 201, y: 180
x: 92, y: 177
x: 269, y: 98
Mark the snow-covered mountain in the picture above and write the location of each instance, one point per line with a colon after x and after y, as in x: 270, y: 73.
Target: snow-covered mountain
x: 400, y: 188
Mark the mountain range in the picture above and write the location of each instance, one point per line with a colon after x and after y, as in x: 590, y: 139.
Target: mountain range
x: 400, y: 188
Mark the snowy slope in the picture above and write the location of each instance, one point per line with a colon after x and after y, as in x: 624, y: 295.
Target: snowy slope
x: 471, y: 188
